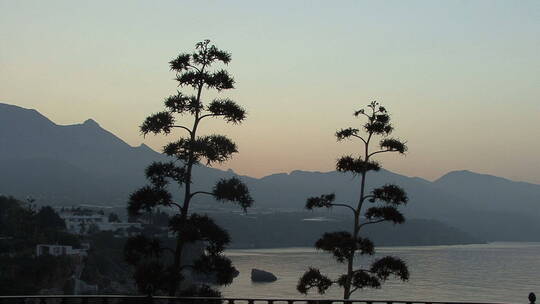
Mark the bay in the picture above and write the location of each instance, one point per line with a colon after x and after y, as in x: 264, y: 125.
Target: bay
x: 494, y: 272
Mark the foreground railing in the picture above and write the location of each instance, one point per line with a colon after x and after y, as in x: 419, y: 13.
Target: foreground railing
x: 123, y: 299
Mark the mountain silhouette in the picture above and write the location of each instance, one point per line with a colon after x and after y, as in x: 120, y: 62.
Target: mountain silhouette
x: 69, y: 164
x: 492, y: 192
x: 86, y: 164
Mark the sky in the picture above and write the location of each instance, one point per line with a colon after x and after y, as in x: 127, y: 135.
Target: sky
x: 461, y: 79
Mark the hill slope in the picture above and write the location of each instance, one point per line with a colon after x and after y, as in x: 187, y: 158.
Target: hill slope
x: 492, y: 192
x: 73, y: 164
x: 85, y: 164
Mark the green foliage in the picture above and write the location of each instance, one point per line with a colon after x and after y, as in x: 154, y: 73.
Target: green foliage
x: 181, y: 104
x: 190, y: 68
x: 105, y: 263
x: 324, y: 200
x: 346, y: 133
x: 313, y: 278
x: 148, y: 254
x: 201, y: 228
x: 390, y: 194
x: 227, y: 108
x: 160, y: 174
x: 356, y: 165
x: 211, y: 148
x: 343, y: 244
x: 361, y: 279
x: 156, y: 219
x: 46, y: 217
x: 386, y: 213
x: 146, y: 198
x: 218, y: 265
x: 234, y: 190
x: 365, y: 246
x: 150, y: 276
x: 21, y: 275
x: 393, y: 145
x: 161, y: 267
x: 21, y: 229
x: 378, y: 120
x: 16, y: 220
x: 161, y: 122
x: 387, y: 266
x: 141, y: 247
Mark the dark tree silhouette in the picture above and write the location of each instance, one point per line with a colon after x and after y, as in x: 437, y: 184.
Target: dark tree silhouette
x: 159, y: 268
x: 385, y: 200
x: 114, y: 218
x: 47, y: 217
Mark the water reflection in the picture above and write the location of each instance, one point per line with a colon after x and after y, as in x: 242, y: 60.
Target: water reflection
x: 496, y: 272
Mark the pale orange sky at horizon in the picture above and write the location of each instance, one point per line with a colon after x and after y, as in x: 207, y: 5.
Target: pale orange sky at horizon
x: 461, y: 79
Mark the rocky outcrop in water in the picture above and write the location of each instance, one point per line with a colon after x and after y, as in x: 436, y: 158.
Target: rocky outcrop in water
x: 258, y: 275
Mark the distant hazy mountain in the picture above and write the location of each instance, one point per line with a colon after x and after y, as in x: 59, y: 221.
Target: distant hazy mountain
x: 492, y: 192
x: 301, y: 229
x: 295, y: 187
x: 74, y: 164
x: 489, y: 208
x: 500, y: 209
x: 85, y: 164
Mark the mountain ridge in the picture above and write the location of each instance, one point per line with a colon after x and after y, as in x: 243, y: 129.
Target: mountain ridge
x: 90, y: 122
x: 86, y: 164
x: 469, y: 173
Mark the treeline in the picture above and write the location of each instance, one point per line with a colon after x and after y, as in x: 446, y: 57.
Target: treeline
x: 22, y: 227
x: 302, y: 229
x: 105, y: 265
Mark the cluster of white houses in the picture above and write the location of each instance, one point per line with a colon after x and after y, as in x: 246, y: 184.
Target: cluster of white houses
x: 78, y: 222
x: 82, y: 222
x: 58, y: 250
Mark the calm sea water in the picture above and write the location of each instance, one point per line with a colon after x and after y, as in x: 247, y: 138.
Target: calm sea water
x: 495, y: 272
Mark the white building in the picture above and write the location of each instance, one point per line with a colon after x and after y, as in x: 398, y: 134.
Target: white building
x: 78, y: 222
x: 58, y: 250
